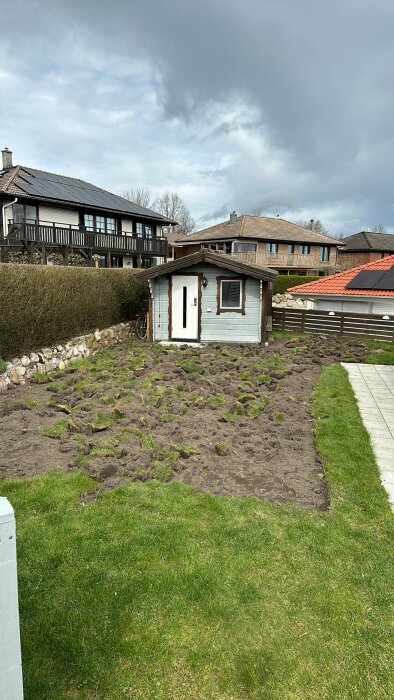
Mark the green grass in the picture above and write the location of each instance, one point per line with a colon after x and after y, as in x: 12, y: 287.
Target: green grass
x: 382, y: 353
x: 158, y: 592
x: 57, y: 430
x: 3, y: 365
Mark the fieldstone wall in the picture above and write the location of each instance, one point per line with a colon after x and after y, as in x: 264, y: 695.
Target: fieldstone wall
x: 286, y: 300
x: 21, y: 369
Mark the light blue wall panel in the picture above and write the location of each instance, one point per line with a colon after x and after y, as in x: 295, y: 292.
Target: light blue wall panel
x: 160, y: 308
x: 230, y: 327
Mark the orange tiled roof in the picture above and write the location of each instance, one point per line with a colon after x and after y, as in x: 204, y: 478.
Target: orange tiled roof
x: 335, y: 284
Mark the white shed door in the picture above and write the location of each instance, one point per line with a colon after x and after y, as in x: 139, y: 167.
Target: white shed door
x: 184, y: 307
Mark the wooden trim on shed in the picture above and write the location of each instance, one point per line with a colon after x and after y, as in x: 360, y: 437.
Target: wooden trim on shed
x: 230, y: 278
x: 264, y: 308
x: 150, y: 319
x: 169, y: 278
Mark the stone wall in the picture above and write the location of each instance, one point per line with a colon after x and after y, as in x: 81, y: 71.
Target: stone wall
x: 21, y: 369
x: 286, y: 300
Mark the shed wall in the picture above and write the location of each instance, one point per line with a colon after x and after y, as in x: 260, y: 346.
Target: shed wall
x: 229, y: 327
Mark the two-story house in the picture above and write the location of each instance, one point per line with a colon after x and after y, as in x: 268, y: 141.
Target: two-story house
x: 46, y: 213
x: 270, y: 242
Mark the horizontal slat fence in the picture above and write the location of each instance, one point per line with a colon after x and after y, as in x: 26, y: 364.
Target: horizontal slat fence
x: 342, y: 323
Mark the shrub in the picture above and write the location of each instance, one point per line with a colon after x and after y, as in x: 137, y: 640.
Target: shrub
x: 283, y: 282
x: 42, y: 305
x: 3, y: 366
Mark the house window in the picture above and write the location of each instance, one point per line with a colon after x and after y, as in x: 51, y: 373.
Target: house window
x: 147, y: 262
x: 290, y: 248
x: 148, y: 231
x: 305, y: 249
x: 231, y: 295
x: 24, y: 212
x: 272, y: 247
x: 139, y: 229
x: 244, y: 247
x: 96, y: 223
x: 324, y: 253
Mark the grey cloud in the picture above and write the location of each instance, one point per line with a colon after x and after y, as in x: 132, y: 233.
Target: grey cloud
x: 317, y: 78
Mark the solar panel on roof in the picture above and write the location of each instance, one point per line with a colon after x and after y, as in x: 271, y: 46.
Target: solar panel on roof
x: 386, y: 282
x: 366, y: 279
x: 38, y: 183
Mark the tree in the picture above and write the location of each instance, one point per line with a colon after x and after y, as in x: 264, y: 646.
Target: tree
x: 313, y: 225
x: 379, y: 228
x: 171, y: 205
x: 138, y: 195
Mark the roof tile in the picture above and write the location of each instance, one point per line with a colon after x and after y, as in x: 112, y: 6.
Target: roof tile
x: 336, y: 284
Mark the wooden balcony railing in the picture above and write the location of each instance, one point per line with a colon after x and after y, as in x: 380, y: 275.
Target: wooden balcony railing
x: 53, y: 234
x: 284, y: 260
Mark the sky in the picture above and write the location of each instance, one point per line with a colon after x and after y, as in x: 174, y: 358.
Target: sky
x: 281, y: 107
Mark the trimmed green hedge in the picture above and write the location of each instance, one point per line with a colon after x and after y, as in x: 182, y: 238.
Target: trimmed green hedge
x: 283, y: 282
x: 41, y: 305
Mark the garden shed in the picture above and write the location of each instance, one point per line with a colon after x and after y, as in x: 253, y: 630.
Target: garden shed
x: 209, y: 297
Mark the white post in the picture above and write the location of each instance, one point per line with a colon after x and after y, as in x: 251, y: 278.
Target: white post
x: 11, y: 686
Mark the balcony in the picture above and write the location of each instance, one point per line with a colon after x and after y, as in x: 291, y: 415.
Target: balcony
x: 55, y: 235
x: 285, y: 260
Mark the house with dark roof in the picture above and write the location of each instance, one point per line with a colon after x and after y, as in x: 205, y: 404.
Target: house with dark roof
x: 363, y: 289
x: 364, y: 247
x: 270, y: 242
x: 46, y: 213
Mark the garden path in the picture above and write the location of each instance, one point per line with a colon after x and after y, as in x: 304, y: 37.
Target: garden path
x: 373, y: 386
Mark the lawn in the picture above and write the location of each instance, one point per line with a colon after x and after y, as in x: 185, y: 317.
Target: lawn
x: 158, y: 591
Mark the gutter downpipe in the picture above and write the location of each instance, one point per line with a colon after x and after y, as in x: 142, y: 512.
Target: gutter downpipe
x: 4, y: 207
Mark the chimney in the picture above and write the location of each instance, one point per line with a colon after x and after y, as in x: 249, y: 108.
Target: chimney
x: 233, y: 217
x: 7, y: 158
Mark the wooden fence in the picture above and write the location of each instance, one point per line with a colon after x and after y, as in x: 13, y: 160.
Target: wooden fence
x: 342, y: 323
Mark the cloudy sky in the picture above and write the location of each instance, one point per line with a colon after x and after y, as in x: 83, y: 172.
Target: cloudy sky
x: 279, y: 106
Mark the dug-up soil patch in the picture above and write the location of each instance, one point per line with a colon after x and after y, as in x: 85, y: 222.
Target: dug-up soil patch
x: 228, y: 420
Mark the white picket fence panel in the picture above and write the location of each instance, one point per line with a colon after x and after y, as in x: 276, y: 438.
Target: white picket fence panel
x: 11, y: 685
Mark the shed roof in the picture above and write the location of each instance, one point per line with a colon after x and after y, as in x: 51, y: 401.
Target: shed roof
x: 259, y: 228
x: 336, y: 284
x: 29, y: 183
x: 207, y: 256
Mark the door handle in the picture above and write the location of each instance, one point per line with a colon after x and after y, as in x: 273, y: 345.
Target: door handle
x: 195, y: 301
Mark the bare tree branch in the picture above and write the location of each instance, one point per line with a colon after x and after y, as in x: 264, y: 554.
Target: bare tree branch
x: 138, y: 195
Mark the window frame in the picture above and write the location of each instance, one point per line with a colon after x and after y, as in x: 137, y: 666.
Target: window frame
x: 94, y: 228
x: 237, y: 247
x: 324, y: 249
x: 270, y: 246
x: 140, y: 229
x: 305, y: 245
x: 25, y: 219
x: 236, y: 310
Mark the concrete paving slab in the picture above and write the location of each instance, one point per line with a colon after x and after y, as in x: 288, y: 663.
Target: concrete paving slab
x: 373, y: 386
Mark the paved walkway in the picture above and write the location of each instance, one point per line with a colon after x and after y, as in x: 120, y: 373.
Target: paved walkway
x: 373, y: 386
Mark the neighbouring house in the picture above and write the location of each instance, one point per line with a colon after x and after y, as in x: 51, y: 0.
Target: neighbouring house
x: 365, y: 247
x: 47, y: 213
x: 209, y: 297
x: 364, y: 289
x: 271, y: 242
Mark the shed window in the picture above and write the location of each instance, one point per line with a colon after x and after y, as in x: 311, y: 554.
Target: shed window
x: 230, y: 295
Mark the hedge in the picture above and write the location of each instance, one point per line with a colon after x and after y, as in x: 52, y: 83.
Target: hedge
x: 42, y: 305
x: 283, y: 282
